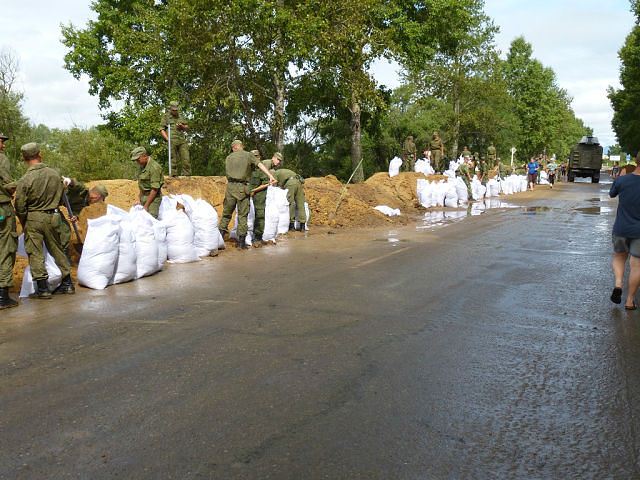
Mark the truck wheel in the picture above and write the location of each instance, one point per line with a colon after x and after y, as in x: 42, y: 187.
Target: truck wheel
x: 571, y: 176
x: 595, y: 179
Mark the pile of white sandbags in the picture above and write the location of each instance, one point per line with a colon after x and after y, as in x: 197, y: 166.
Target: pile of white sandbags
x: 423, y: 166
x: 432, y: 194
x: 478, y: 190
x: 205, y: 224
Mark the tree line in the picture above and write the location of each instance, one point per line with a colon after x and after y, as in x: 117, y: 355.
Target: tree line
x: 296, y: 76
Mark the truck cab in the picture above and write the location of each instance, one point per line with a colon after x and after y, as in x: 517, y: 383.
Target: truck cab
x: 585, y: 159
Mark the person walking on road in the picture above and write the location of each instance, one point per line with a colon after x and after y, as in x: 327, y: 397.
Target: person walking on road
x: 8, y: 235
x: 38, y: 198
x: 532, y: 172
x: 179, y: 146
x: 150, y: 181
x: 626, y: 236
x: 238, y: 165
x: 552, y: 167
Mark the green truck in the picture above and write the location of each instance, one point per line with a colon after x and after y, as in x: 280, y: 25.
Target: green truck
x: 585, y: 160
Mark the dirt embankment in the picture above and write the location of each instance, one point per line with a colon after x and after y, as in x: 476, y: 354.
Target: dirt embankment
x: 354, y: 203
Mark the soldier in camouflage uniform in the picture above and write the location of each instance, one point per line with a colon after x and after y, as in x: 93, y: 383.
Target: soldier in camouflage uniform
x: 238, y: 167
x: 483, y: 171
x: 8, y: 235
x: 437, y: 153
x: 466, y: 153
x: 258, y: 178
x: 409, y: 153
x: 79, y: 197
x: 464, y: 174
x: 181, y: 164
x: 38, y: 198
x: 150, y: 181
x: 293, y: 184
x: 492, y: 155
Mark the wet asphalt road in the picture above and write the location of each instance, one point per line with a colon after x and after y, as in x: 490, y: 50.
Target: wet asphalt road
x: 479, y: 347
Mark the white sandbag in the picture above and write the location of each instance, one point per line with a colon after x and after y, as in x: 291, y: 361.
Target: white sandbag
x: 440, y: 193
x: 388, y: 211
x: 180, y: 238
x: 461, y: 191
x: 100, y: 252
x: 54, y: 274
x: 420, y: 166
x: 271, y: 213
x: 394, y: 166
x: 424, y: 190
x: 544, y: 177
x: 451, y: 195
x: 149, y: 259
x: 205, y: 224
x: 523, y: 183
x: 251, y: 219
x: 126, y: 264
x: 493, y: 188
x: 168, y: 206
x: 307, y: 213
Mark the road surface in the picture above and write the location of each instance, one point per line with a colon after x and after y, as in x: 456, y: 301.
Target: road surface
x: 480, y: 346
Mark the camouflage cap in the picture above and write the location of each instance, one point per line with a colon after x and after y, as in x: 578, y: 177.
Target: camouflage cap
x: 30, y: 150
x: 255, y: 153
x: 137, y: 152
x: 3, y: 136
x: 278, y: 155
x: 236, y: 142
x: 174, y: 105
x: 102, y: 190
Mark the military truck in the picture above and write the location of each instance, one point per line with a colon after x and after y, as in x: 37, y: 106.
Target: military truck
x: 585, y: 160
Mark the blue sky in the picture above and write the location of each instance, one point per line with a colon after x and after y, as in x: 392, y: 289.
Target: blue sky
x: 579, y: 39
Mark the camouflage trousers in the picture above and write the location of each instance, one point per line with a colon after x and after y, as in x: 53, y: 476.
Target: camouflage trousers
x: 154, y: 207
x: 181, y: 163
x: 8, y: 244
x: 437, y: 162
x: 236, y: 194
x: 44, y: 229
x: 259, y: 206
x: 295, y: 195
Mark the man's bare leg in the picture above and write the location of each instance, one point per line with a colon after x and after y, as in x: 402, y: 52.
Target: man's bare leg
x: 618, y: 263
x: 634, y: 281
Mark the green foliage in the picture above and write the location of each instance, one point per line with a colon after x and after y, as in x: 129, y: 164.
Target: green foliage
x: 626, y: 100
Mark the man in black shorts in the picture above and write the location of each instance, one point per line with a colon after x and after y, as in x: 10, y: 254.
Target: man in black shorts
x: 626, y: 236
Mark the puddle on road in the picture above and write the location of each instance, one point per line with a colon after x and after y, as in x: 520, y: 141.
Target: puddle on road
x: 535, y: 210
x: 594, y: 210
x: 442, y: 218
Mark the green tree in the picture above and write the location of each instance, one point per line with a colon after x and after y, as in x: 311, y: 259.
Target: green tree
x: 626, y: 100
x: 13, y: 122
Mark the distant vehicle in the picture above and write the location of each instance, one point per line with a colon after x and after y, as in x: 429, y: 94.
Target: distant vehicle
x: 585, y: 160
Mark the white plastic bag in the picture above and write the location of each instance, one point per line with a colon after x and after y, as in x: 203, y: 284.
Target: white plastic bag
x: 388, y: 211
x: 126, y: 265
x: 451, y: 195
x: 461, y: 191
x: 100, y: 252
x: 180, y: 237
x: 147, y: 242
x: 424, y: 190
x: 394, y: 166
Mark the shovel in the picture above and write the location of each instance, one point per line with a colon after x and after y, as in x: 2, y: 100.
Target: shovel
x: 77, y: 246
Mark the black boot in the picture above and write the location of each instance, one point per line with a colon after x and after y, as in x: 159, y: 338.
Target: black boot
x: 66, y: 287
x: 42, y: 291
x: 292, y: 226
x: 242, y: 242
x: 5, y: 300
x: 302, y: 227
x: 225, y: 234
x: 257, y: 241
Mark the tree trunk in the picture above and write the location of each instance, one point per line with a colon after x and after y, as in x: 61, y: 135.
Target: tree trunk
x: 456, y: 127
x: 278, y: 120
x: 356, y: 141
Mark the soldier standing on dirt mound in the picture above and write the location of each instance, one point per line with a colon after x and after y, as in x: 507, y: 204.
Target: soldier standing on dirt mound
x: 238, y: 170
x: 409, y: 153
x: 38, y: 197
x: 492, y: 155
x: 437, y: 153
x: 258, y: 178
x: 179, y: 146
x: 150, y: 181
x: 8, y: 236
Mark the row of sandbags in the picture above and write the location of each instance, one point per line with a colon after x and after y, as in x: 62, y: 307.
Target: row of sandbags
x: 422, y: 165
x: 453, y: 191
x: 123, y: 246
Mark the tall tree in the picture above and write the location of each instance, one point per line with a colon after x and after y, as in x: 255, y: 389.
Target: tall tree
x: 626, y: 100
